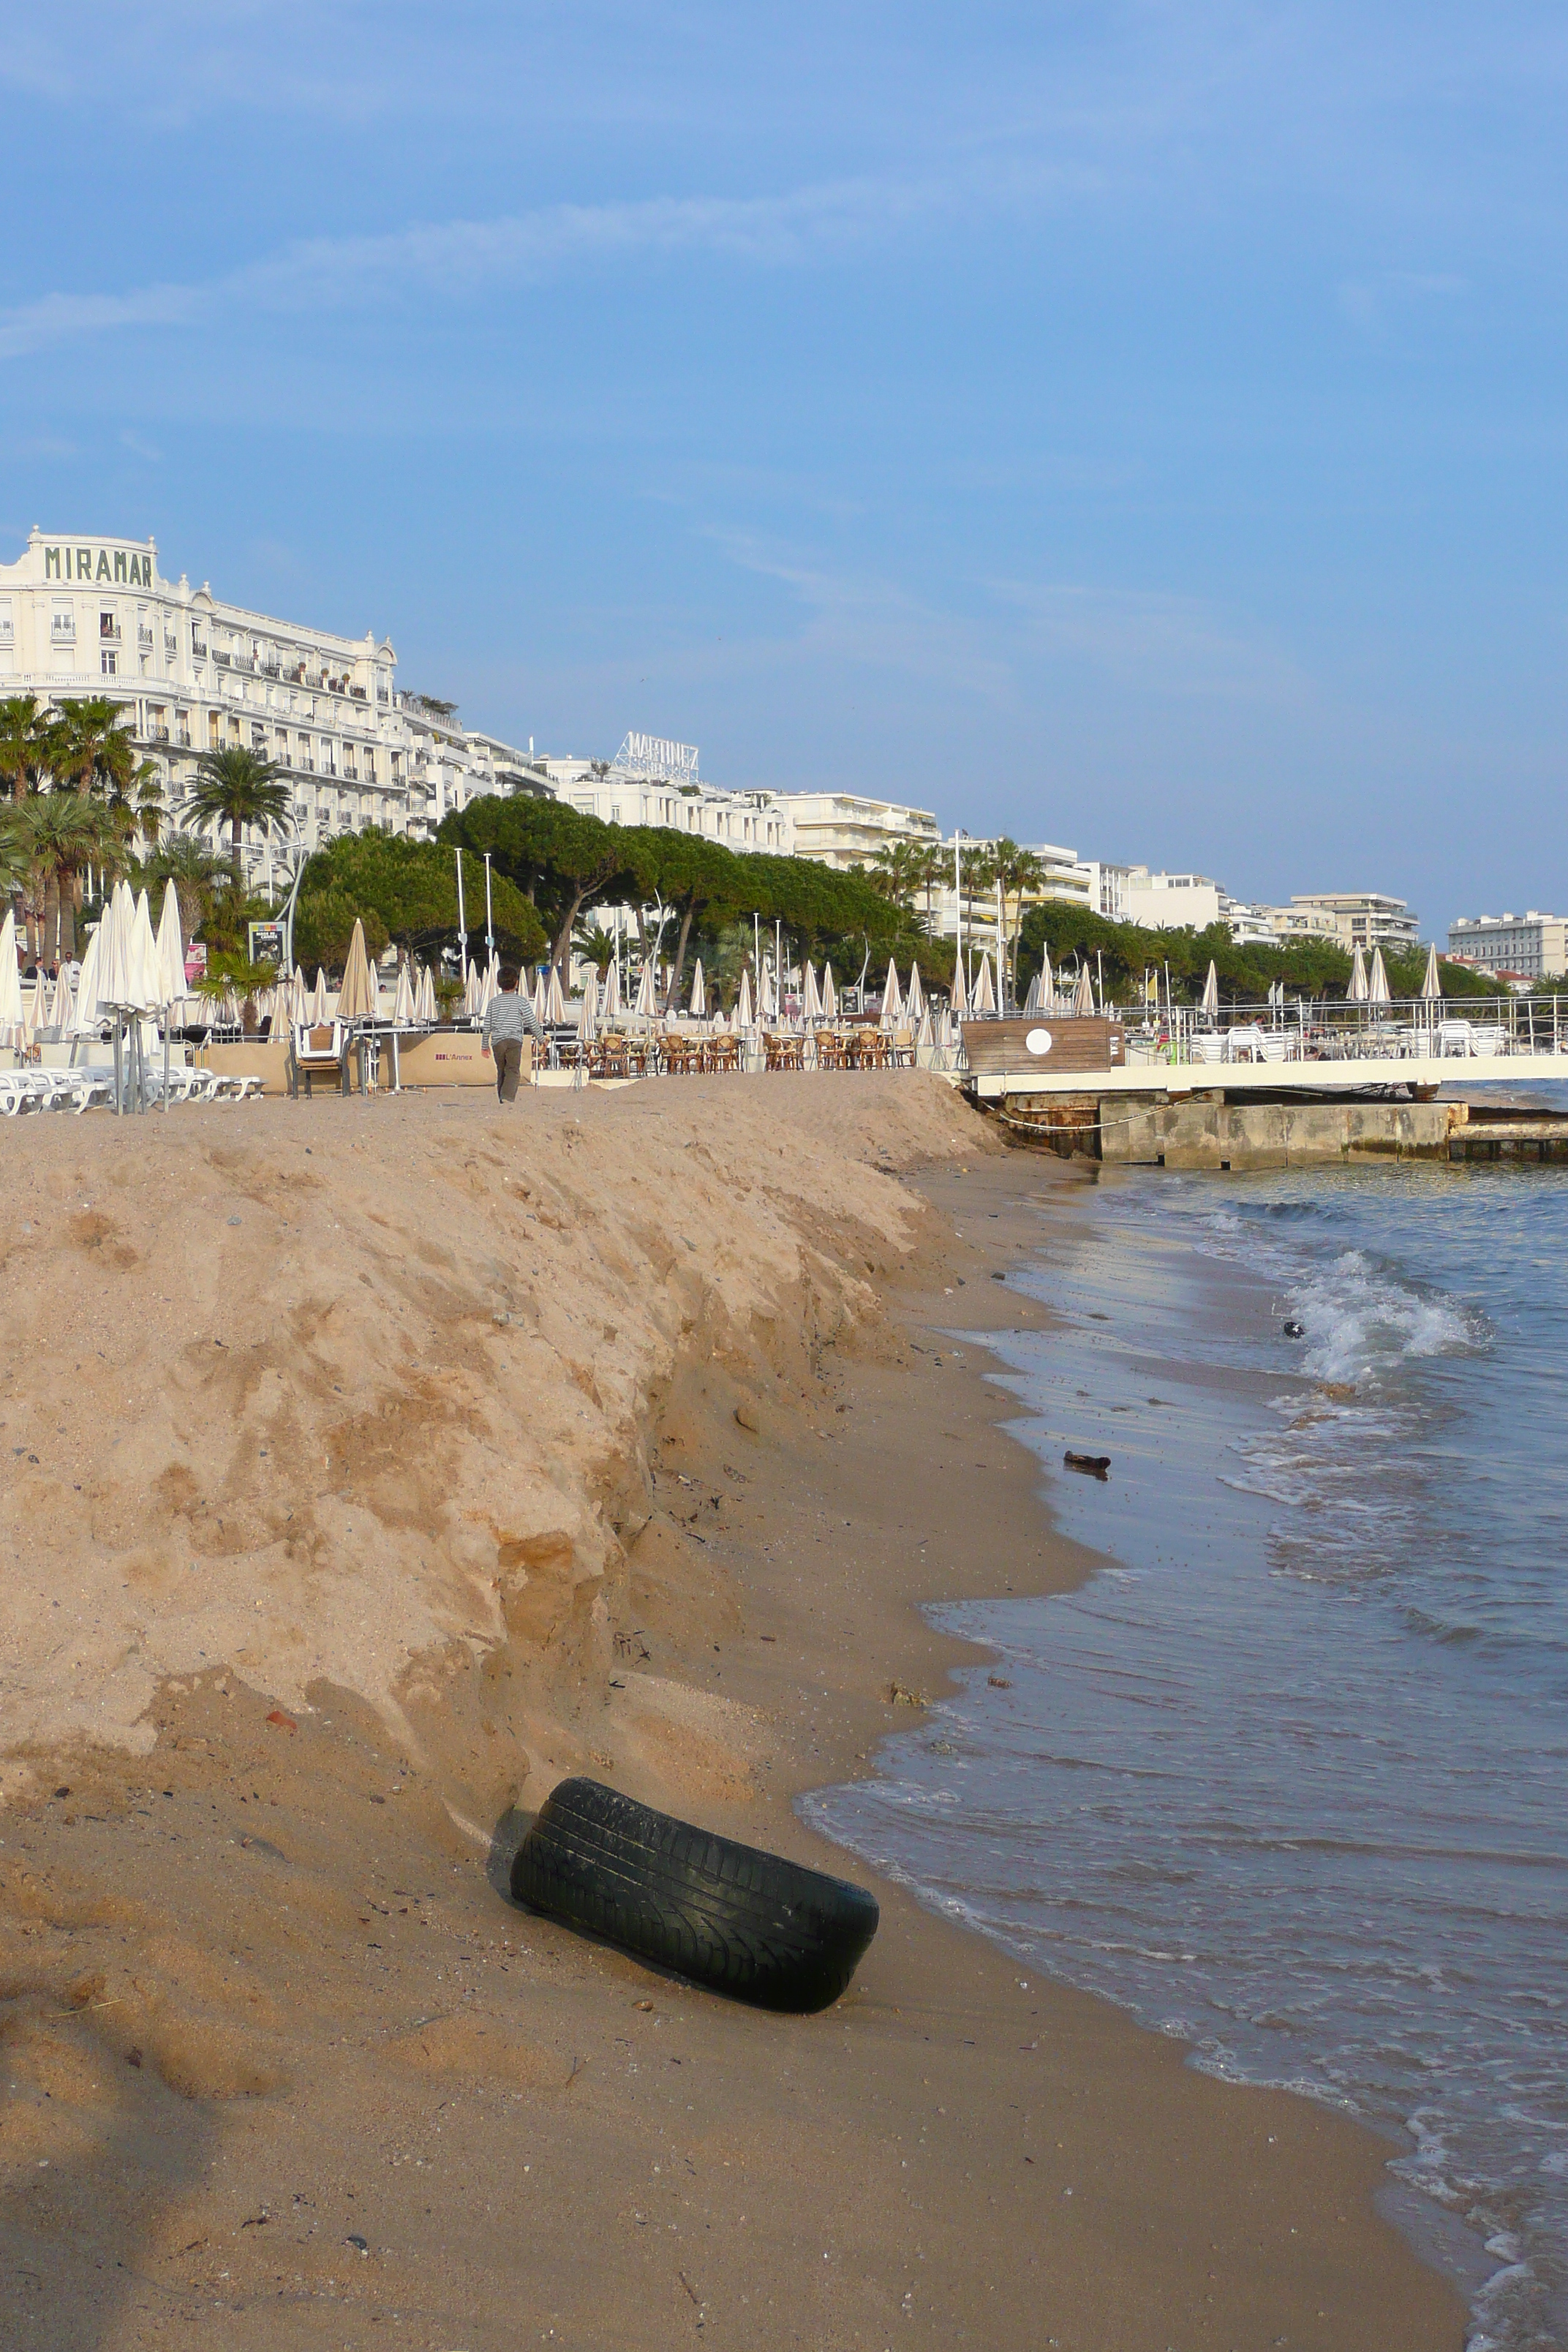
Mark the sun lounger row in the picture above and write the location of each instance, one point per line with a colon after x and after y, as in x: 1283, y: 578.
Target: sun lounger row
x: 77, y: 1089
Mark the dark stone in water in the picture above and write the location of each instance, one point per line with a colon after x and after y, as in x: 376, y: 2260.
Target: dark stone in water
x: 1093, y: 1465
x: 1294, y: 1330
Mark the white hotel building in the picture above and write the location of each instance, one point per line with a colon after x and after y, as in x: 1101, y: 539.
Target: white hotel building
x: 95, y: 616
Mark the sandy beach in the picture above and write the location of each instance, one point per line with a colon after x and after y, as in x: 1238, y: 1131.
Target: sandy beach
x: 372, y: 1464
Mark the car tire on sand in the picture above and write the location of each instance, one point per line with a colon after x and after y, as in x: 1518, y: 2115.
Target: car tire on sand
x: 727, y: 1915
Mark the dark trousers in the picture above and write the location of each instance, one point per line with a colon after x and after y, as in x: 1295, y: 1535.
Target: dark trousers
x: 508, y: 1052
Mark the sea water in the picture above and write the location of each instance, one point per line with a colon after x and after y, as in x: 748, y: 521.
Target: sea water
x: 1289, y: 1776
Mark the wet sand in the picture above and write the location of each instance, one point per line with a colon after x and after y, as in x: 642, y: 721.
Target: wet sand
x: 264, y: 2000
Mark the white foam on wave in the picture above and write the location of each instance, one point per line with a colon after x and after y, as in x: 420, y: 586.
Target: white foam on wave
x: 1362, y: 1323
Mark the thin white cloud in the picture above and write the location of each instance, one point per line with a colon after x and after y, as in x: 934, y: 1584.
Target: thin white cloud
x: 458, y: 259
x: 1162, y: 643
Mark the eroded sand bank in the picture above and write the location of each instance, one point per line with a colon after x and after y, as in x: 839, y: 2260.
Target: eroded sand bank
x: 370, y: 1466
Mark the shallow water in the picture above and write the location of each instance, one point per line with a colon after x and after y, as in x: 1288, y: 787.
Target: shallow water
x: 1288, y: 1777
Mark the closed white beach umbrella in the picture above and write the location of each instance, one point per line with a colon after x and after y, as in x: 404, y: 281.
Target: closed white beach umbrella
x: 829, y: 993
x: 554, y: 996
x: 613, y: 992
x: 588, y: 1022
x: 1047, y: 997
x: 892, y: 997
x: 960, y: 998
x: 86, y: 994
x: 138, y: 960
x: 32, y: 1011
x: 643, y: 1005
x: 1358, y: 977
x: 1083, y: 995
x: 403, y: 999
x: 699, y: 1006
x: 1377, y: 990
x: 356, y: 997
x: 317, y: 1010
x: 811, y: 996
x: 743, y: 1007
x: 1432, y: 986
x: 1032, y: 998
x: 426, y: 994
x: 1209, y: 1002
x: 61, y: 1007
x: 767, y: 992
x: 170, y: 948
x: 10, y: 982
x: 119, y: 914
x: 486, y: 994
x: 914, y: 1002
x: 923, y: 1034
x: 984, y: 995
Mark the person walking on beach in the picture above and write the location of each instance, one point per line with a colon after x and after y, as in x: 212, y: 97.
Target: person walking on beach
x: 508, y: 1020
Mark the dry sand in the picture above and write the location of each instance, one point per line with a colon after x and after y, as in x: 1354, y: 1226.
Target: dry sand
x: 374, y: 1464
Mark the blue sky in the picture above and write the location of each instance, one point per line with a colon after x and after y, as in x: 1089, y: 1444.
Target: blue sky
x: 1138, y: 426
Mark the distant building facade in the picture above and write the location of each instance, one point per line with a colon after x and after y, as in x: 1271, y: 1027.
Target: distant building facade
x: 192, y: 673
x: 1529, y: 947
x: 1364, y: 918
x: 847, y: 829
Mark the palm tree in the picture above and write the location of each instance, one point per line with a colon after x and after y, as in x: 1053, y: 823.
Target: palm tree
x: 236, y: 788
x: 195, y: 874
x: 138, y: 801
x: 85, y: 744
x: 929, y: 871
x: 22, y: 724
x: 60, y: 835
x: 892, y: 873
x: 13, y: 857
x: 1018, y: 871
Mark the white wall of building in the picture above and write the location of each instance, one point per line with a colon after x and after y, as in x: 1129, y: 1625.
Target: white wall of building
x: 1533, y: 945
x: 83, y: 617
x: 1171, y: 902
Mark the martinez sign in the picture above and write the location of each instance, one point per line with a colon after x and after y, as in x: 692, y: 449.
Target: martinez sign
x: 110, y: 566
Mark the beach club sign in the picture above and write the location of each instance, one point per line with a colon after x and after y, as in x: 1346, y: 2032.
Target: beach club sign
x: 103, y: 567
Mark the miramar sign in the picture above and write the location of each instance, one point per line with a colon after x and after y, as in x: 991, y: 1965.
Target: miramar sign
x: 109, y: 567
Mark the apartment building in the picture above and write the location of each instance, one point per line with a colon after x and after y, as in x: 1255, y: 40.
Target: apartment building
x: 194, y: 673
x: 1365, y: 918
x: 1527, y: 946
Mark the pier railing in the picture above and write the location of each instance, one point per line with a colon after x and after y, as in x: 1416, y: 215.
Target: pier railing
x: 1304, y: 1030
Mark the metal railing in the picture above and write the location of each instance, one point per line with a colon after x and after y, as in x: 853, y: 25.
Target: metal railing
x: 1308, y: 1030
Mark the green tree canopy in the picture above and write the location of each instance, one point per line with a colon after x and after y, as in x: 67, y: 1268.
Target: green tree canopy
x: 410, y: 889
x: 562, y: 861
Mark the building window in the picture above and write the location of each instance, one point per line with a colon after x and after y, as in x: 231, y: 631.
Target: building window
x: 108, y: 661
x: 212, y: 729
x: 6, y: 636
x: 108, y: 626
x: 62, y: 625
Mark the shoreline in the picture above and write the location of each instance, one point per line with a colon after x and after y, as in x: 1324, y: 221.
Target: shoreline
x: 327, y: 2029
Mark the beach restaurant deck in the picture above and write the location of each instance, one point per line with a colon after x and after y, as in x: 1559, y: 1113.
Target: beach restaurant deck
x: 1335, y: 1048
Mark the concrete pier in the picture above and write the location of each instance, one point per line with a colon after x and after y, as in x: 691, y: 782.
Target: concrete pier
x: 1210, y: 1131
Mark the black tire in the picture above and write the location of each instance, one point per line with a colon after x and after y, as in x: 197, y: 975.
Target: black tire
x: 744, y: 1922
